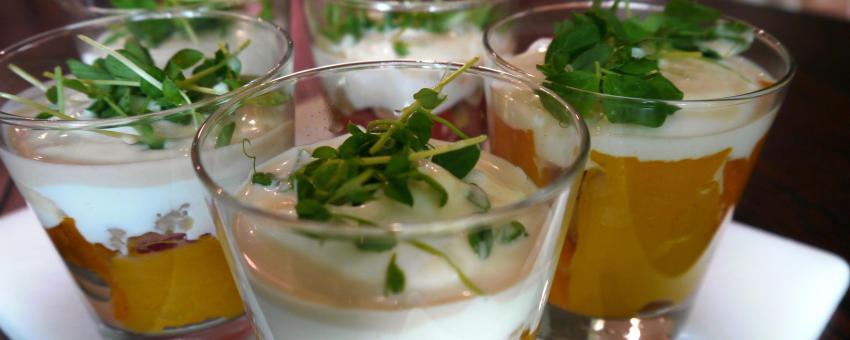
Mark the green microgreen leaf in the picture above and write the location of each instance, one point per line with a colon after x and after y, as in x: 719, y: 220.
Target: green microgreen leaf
x: 312, y: 210
x: 186, y: 58
x: 85, y: 71
x: 481, y: 242
x: 225, y: 135
x: 394, y: 282
x: 400, y: 48
x: 376, y: 244
x: 325, y: 152
x: 478, y: 197
x: 428, y: 98
x: 436, y: 252
x: 460, y: 162
x: 442, y: 194
x: 512, y: 232
x: 598, y: 52
x: 399, y: 190
x: 261, y: 178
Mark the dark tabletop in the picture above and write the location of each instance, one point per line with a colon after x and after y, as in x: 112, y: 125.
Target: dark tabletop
x: 801, y: 185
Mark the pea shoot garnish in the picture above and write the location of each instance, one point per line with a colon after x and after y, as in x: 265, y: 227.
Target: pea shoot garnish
x: 384, y: 157
x: 394, y: 278
x: 126, y: 82
x: 347, y: 21
x: 156, y: 31
x: 598, y: 52
x: 259, y: 178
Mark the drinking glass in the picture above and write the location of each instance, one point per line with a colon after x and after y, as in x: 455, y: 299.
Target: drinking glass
x: 344, y: 31
x: 276, y: 11
x: 129, y: 220
x: 652, y: 200
x: 303, y: 279
x: 360, y: 30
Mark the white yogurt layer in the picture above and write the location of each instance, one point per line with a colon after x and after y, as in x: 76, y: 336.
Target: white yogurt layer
x: 501, y: 316
x: 396, y: 86
x: 329, y: 289
x: 696, y: 130
x: 113, y: 190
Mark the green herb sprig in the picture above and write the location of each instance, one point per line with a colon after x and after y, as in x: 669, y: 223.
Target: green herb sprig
x: 260, y: 178
x: 155, y: 31
x: 482, y: 240
x: 384, y: 158
x: 346, y: 20
x: 598, y: 52
x: 127, y: 83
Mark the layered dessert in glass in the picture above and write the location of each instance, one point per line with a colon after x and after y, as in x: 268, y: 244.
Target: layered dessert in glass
x: 96, y: 133
x: 678, y: 100
x: 384, y: 230
x: 344, y: 31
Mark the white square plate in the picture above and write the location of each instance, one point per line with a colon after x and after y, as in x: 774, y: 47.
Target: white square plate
x: 758, y: 286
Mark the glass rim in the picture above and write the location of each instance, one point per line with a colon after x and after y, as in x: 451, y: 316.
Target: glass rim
x: 401, y: 230
x: 417, y: 6
x: 101, y: 10
x: 760, y: 35
x: 11, y: 51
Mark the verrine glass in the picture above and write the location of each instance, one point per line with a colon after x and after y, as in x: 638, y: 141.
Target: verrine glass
x: 652, y: 199
x: 476, y: 266
x: 105, y: 165
x: 343, y: 31
x: 275, y: 11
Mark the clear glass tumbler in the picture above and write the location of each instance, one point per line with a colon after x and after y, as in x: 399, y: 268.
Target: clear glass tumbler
x: 343, y: 31
x: 117, y: 195
x: 276, y: 11
x: 347, y: 31
x: 464, y: 274
x: 652, y: 199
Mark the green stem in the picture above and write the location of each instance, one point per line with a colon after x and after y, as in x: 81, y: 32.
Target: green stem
x: 449, y: 124
x: 127, y: 62
x: 35, y: 105
x: 186, y: 26
x: 413, y: 107
x: 352, y: 183
x: 28, y: 77
x: 436, y: 252
x: 359, y: 220
x: 200, y: 75
x: 204, y: 90
x: 245, y: 152
x: 380, y: 122
x: 455, y: 74
x: 448, y: 148
x: 60, y: 90
x: 427, y: 153
x: 99, y: 81
x: 374, y: 160
x: 725, y: 67
x: 60, y: 115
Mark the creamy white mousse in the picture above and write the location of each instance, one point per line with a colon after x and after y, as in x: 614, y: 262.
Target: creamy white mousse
x: 698, y: 129
x: 114, y: 189
x: 328, y: 289
x: 459, y: 45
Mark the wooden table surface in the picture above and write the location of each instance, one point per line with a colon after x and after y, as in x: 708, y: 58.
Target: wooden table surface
x: 801, y: 185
